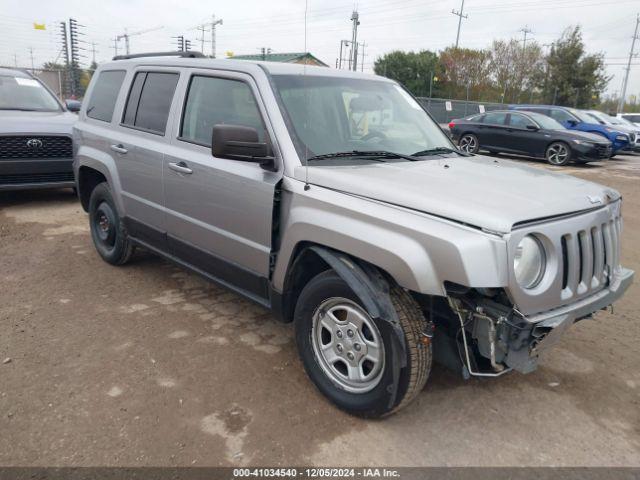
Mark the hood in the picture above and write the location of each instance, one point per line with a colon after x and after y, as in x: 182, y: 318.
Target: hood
x: 591, y: 137
x: 479, y: 191
x: 16, y: 122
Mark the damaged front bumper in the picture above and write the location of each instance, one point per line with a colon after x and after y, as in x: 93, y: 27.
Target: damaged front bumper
x: 496, y: 339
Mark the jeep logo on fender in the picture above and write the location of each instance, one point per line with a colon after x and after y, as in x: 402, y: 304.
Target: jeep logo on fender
x: 34, y: 143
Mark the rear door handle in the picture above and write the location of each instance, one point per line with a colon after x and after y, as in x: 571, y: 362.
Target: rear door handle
x: 180, y: 167
x: 119, y: 149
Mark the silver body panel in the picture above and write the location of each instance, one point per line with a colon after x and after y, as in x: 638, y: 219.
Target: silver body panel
x: 424, y: 223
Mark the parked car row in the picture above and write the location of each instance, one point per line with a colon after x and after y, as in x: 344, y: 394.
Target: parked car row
x: 558, y: 134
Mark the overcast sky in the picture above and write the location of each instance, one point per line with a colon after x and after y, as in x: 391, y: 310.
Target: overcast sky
x: 279, y: 24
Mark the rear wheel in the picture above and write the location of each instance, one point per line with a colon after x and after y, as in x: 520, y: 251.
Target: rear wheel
x: 469, y: 143
x: 558, y: 153
x: 107, y: 229
x: 352, y: 358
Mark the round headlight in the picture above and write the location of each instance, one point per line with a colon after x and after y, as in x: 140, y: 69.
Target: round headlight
x: 529, y: 262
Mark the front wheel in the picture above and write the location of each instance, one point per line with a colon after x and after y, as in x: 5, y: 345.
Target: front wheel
x: 469, y: 143
x: 558, y: 153
x: 353, y: 359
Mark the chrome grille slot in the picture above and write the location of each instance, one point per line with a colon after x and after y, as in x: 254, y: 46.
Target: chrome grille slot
x: 598, y: 257
x: 586, y: 261
x: 589, y: 258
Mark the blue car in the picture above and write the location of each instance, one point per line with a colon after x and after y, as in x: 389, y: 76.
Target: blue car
x: 574, y: 119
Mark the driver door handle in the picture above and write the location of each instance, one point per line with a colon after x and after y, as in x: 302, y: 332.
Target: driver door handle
x: 180, y: 167
x: 119, y: 149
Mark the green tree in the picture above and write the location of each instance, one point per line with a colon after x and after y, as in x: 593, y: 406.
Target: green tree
x: 573, y: 77
x: 465, y: 70
x: 517, y: 71
x: 414, y: 70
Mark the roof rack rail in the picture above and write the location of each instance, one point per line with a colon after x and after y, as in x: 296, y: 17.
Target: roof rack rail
x: 160, y: 54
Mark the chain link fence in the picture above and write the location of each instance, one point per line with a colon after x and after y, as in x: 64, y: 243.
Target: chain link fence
x: 444, y: 110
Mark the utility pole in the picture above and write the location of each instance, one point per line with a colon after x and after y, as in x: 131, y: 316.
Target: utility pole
x: 525, y: 31
x: 202, y: 29
x: 214, y: 22
x: 460, y: 16
x: 93, y: 52
x: 125, y: 35
x: 264, y: 51
x: 180, y: 42
x: 31, y: 53
x: 362, y: 61
x: 115, y: 46
x: 74, y: 45
x: 354, y: 41
x: 65, y: 51
x: 626, y: 75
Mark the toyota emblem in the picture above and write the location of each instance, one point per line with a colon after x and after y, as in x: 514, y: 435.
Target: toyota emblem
x: 34, y: 143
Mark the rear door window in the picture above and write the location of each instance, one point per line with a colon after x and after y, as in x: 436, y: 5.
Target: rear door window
x: 150, y: 100
x: 519, y: 121
x: 104, y: 95
x: 495, y: 118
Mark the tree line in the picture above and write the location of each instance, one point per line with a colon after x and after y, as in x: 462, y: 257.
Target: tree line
x: 509, y: 71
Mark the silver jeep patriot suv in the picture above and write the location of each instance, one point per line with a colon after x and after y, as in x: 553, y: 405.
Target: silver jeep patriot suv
x: 333, y: 199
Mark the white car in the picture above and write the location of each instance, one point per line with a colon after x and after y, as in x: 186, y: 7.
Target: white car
x: 632, y: 117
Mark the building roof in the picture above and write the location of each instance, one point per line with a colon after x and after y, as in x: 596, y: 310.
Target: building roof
x: 281, y: 57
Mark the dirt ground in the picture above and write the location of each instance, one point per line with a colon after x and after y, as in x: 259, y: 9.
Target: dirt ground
x: 150, y: 365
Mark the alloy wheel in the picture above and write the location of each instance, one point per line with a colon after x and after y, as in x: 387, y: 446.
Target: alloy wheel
x: 469, y: 144
x: 557, y: 154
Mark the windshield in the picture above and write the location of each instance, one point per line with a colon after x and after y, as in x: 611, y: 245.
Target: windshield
x: 620, y: 121
x: 602, y: 117
x: 327, y: 115
x: 23, y: 93
x: 545, y: 122
x: 582, y: 116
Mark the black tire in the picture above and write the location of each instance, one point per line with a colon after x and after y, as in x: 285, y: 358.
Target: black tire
x: 382, y: 399
x: 558, y: 154
x: 107, y: 229
x: 469, y: 143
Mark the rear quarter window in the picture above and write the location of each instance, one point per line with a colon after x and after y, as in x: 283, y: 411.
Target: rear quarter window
x: 104, y: 95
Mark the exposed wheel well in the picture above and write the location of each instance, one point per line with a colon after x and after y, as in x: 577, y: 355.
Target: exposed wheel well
x: 306, y: 264
x: 88, y: 179
x: 564, y: 142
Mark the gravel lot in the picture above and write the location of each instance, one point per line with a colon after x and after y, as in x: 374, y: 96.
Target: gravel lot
x: 150, y: 365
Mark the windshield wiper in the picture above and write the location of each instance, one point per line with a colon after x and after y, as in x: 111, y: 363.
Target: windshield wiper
x: 20, y: 109
x: 439, y: 151
x: 363, y: 154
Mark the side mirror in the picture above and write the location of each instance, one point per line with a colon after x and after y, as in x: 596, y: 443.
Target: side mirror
x: 533, y: 128
x: 572, y: 123
x: 238, y: 142
x: 73, y: 105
